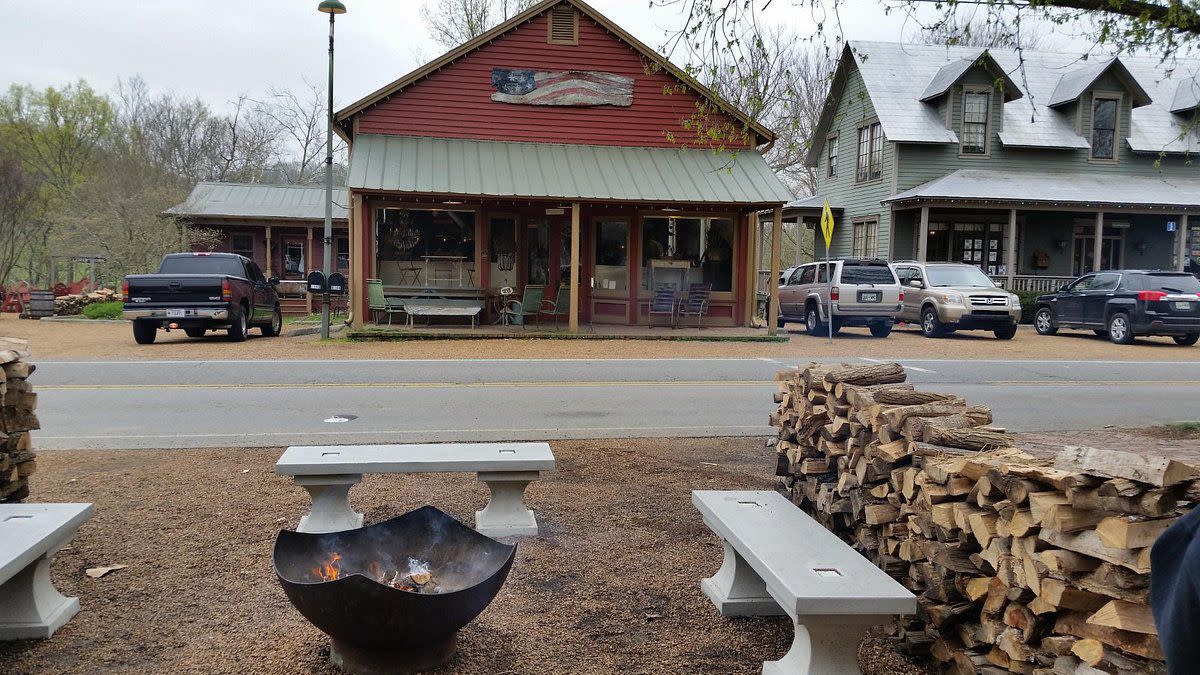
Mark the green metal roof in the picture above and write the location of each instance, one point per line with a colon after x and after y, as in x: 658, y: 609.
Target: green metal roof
x: 260, y: 202
x: 472, y: 168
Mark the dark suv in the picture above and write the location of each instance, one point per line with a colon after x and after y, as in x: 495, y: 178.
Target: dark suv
x: 1124, y: 304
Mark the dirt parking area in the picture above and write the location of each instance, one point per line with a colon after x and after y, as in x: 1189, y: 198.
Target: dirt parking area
x: 102, y: 341
x: 612, y: 586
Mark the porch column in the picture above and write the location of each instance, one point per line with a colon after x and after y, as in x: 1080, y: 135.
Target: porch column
x: 750, y: 276
x: 923, y: 235
x: 1098, y: 244
x: 1010, y: 250
x: 358, y: 263
x: 270, y: 267
x: 1181, y: 235
x: 773, y: 279
x: 308, y: 303
x: 573, y: 321
x: 799, y: 229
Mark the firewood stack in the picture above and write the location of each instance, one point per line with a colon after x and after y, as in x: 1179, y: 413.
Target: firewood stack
x: 17, y: 419
x: 1021, y: 564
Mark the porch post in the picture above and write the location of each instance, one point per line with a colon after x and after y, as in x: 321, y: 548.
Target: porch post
x: 750, y: 276
x: 1010, y: 250
x: 269, y: 265
x: 1181, y: 252
x: 773, y: 279
x: 1098, y: 244
x: 923, y: 235
x: 308, y: 248
x: 573, y: 322
x: 799, y: 228
x: 358, y: 262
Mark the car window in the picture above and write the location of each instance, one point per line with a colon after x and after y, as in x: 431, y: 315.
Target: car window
x: 905, y: 274
x: 202, y: 264
x: 822, y: 274
x: 794, y: 279
x: 1169, y: 283
x: 867, y: 274
x: 1105, y: 282
x: 1082, y: 283
x: 958, y: 275
x: 810, y: 274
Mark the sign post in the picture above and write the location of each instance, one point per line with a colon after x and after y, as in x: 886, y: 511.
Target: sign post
x: 827, y: 231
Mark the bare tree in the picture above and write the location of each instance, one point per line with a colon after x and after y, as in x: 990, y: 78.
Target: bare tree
x: 963, y: 31
x: 21, y: 206
x: 454, y: 22
x: 299, y: 117
x: 248, y: 144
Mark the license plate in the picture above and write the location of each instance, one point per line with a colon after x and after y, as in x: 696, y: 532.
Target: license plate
x: 869, y: 297
x: 175, y: 313
x: 1183, y: 305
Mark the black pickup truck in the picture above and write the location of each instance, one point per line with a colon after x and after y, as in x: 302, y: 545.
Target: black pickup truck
x: 199, y: 292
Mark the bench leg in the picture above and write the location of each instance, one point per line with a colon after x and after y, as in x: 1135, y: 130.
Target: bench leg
x: 506, y: 515
x: 30, y: 606
x: 737, y: 590
x: 331, y: 510
x: 824, y: 646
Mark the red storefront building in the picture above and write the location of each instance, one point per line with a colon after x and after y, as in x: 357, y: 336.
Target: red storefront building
x: 554, y: 150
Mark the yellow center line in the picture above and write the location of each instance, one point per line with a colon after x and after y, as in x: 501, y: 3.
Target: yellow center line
x: 407, y: 385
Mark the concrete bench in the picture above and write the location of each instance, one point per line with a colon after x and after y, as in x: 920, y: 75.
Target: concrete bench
x: 778, y: 560
x: 467, y: 308
x: 328, y: 473
x: 30, y: 534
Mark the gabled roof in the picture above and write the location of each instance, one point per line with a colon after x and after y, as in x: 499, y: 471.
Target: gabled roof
x: 950, y: 74
x: 472, y: 168
x: 1187, y: 95
x: 1073, y: 83
x: 343, y: 116
x: 255, y: 201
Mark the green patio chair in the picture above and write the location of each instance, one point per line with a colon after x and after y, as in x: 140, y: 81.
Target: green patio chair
x: 378, y: 302
x: 529, y: 306
x: 560, y: 307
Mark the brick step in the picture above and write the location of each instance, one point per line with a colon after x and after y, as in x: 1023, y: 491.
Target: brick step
x: 293, y: 306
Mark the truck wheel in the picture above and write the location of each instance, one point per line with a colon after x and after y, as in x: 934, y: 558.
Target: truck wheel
x: 1119, y: 330
x: 1187, y: 340
x: 276, y: 326
x: 144, y: 332
x: 1043, y: 322
x: 1006, y: 332
x: 931, y: 325
x: 195, y: 332
x: 237, y: 326
x: 812, y: 321
x: 881, y: 330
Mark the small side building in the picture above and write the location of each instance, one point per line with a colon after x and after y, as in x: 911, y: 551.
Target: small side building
x: 280, y: 227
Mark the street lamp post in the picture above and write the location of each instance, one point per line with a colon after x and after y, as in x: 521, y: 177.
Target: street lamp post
x: 332, y: 8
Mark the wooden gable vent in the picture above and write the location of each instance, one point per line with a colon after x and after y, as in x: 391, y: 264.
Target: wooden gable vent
x: 564, y: 25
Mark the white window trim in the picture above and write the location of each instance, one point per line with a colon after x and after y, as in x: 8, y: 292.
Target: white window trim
x: 829, y: 168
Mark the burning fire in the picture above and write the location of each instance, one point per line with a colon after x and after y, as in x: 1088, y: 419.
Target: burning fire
x: 330, y: 570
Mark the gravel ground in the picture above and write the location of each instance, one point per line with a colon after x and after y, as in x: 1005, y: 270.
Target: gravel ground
x: 51, y: 340
x: 611, y: 587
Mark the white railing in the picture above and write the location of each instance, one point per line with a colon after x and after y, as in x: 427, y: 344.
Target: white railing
x: 1036, y: 283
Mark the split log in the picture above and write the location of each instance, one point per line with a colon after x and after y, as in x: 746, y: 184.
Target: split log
x: 970, y: 439
x: 1123, y: 615
x: 882, y: 373
x: 1142, y: 467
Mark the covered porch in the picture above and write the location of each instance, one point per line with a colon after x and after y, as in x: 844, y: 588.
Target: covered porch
x: 592, y: 232
x: 1041, y: 239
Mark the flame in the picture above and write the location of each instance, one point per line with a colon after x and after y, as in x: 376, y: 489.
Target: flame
x: 329, y: 571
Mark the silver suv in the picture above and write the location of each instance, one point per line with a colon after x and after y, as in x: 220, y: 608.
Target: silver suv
x: 865, y: 293
x: 944, y: 297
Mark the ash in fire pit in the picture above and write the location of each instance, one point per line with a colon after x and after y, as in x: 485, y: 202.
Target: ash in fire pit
x: 392, y: 596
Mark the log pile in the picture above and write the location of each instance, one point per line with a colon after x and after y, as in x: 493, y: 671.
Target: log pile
x: 1021, y: 564
x: 71, y: 305
x: 18, y: 403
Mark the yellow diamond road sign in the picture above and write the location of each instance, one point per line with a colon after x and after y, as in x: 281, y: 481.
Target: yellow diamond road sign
x: 827, y: 224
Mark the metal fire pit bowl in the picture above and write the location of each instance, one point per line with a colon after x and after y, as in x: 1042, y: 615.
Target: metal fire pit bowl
x: 376, y: 628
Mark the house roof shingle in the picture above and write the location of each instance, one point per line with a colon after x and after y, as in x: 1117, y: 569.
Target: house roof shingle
x: 255, y: 201
x: 1080, y: 189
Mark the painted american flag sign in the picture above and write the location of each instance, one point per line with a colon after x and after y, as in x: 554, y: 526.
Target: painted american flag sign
x: 563, y: 87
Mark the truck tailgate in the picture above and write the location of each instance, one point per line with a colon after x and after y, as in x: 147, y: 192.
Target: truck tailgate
x: 174, y: 289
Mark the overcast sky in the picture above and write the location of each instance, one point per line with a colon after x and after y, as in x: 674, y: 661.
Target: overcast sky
x: 216, y: 50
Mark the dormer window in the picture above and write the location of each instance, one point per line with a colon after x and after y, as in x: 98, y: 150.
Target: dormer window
x: 1104, y: 127
x: 976, y: 107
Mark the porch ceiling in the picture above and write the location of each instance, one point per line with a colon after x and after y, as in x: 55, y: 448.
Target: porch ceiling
x: 999, y: 188
x: 473, y: 168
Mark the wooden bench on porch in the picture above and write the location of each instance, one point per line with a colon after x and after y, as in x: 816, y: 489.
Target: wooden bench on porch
x: 30, y: 535
x: 328, y: 473
x: 430, y: 307
x: 778, y: 560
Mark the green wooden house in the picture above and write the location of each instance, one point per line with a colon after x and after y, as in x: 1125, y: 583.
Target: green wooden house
x: 1036, y: 173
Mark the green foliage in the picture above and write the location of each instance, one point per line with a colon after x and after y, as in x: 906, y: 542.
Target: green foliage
x: 1027, y: 298
x: 103, y: 310
x: 1185, y: 427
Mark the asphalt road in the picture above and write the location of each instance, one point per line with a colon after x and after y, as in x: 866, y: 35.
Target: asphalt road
x: 181, y: 404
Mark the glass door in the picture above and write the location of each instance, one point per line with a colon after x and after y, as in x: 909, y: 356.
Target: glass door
x: 1085, y: 253
x: 294, y: 266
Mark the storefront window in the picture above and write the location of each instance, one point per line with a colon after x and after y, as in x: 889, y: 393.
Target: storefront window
x: 612, y: 255
x: 343, y: 253
x: 414, y: 234
x: 503, y: 246
x: 677, y: 252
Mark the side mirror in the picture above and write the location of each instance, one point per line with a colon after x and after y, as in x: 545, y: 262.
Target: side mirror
x: 273, y: 281
x: 916, y: 283
x: 1062, y: 289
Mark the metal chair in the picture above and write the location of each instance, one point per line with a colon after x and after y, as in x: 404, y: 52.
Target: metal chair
x: 560, y: 307
x: 378, y: 302
x: 530, y: 304
x: 662, y: 302
x: 696, y: 302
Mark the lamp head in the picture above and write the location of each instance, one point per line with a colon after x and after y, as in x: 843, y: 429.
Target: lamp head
x: 331, y: 7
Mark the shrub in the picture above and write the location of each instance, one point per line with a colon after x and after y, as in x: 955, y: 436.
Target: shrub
x: 1027, y: 298
x: 103, y: 310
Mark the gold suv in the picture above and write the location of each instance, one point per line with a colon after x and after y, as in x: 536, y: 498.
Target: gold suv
x: 944, y: 297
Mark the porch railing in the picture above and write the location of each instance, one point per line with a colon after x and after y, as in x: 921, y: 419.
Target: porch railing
x: 1034, y: 283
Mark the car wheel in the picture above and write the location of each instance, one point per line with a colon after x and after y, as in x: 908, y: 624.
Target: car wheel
x: 812, y: 321
x: 144, y: 332
x: 881, y: 330
x: 1006, y: 332
x: 276, y: 326
x: 195, y: 332
x: 237, y: 326
x: 1119, y: 330
x: 1043, y: 322
x: 931, y: 325
x: 1187, y: 340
